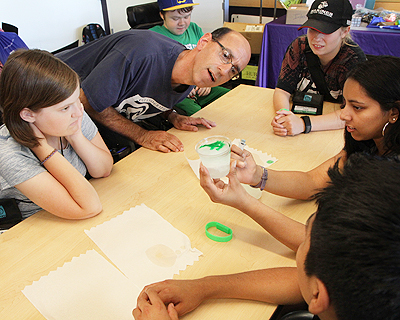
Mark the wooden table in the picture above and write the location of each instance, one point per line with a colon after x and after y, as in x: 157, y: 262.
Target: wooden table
x: 166, y: 183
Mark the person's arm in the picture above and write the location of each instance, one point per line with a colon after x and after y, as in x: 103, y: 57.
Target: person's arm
x: 330, y: 121
x: 94, y: 153
x: 153, y: 140
x: 281, y: 103
x: 286, y: 123
x: 289, y: 232
x: 291, y: 184
x: 281, y: 99
x: 61, y: 190
x: 288, y: 76
x: 277, y: 286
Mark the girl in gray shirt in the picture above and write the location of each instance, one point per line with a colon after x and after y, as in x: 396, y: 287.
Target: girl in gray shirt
x: 48, y: 143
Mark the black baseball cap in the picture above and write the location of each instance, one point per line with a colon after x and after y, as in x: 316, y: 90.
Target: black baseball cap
x: 326, y: 16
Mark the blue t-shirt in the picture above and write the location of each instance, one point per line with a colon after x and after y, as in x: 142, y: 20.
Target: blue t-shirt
x: 130, y: 71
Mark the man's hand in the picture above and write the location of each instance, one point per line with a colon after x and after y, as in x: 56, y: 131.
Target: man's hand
x: 160, y: 141
x: 189, y: 123
x: 151, y: 307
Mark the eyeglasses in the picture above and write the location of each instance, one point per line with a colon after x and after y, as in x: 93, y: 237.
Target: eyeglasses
x: 226, y: 58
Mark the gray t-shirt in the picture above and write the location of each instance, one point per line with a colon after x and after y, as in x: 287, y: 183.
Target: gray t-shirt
x: 18, y: 164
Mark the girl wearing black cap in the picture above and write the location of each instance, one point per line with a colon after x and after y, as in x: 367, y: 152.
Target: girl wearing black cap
x: 329, y: 42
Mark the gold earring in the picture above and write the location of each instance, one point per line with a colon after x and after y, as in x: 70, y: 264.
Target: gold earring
x: 384, y: 127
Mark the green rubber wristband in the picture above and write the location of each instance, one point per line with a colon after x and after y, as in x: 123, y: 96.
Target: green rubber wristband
x: 221, y: 227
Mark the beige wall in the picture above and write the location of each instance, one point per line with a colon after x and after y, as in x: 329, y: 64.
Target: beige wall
x: 52, y: 24
x: 393, y: 5
x: 208, y: 14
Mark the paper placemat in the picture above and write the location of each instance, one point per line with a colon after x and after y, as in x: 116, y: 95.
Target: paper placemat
x: 86, y: 288
x: 144, y: 246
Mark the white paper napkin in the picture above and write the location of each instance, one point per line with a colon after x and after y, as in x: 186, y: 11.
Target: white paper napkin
x: 144, y: 246
x: 87, y: 288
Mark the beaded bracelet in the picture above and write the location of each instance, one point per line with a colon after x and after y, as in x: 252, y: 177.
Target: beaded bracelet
x: 49, y: 156
x: 263, y: 181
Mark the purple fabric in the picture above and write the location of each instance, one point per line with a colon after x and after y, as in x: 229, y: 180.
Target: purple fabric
x: 278, y: 36
x: 9, y: 42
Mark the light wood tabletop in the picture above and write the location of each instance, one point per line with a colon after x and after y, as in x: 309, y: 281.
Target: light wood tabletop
x: 167, y: 184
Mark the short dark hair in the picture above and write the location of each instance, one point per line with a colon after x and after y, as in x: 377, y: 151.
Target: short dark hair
x: 355, y: 239
x: 383, y: 87
x: 180, y: 11
x: 32, y: 79
x: 219, y: 33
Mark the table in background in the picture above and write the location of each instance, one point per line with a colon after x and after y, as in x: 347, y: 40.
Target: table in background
x: 278, y: 36
x: 166, y: 183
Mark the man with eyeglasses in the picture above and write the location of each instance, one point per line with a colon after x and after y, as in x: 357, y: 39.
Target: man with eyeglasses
x: 177, y: 25
x: 134, y: 75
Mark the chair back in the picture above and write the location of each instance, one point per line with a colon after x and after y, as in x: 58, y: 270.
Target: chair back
x: 9, y: 27
x: 298, y: 315
x: 144, y: 16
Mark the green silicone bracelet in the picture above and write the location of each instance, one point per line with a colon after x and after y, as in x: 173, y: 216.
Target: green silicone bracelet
x: 221, y: 227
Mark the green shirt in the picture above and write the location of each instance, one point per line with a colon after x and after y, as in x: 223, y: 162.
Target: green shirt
x: 189, y: 38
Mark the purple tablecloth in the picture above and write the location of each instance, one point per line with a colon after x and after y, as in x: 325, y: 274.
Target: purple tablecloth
x: 278, y: 36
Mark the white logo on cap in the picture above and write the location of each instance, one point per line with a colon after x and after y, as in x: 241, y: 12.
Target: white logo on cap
x: 322, y: 5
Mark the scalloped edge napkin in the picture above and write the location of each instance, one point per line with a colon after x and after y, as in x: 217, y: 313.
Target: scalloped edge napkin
x: 86, y: 288
x: 144, y: 246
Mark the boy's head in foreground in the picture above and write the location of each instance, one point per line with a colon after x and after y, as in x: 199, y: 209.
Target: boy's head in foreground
x: 349, y: 264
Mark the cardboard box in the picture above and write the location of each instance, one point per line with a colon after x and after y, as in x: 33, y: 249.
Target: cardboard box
x: 250, y: 73
x: 297, y: 14
x: 252, y: 32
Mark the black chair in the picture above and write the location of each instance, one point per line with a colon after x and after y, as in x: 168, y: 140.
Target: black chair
x: 9, y: 27
x: 72, y: 45
x: 292, y: 312
x: 144, y: 16
x: 298, y: 315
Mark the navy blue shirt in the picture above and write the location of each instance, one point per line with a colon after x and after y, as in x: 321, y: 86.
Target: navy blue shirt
x: 130, y: 71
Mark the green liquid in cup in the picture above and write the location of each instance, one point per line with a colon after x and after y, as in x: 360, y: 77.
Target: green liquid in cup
x: 215, y: 154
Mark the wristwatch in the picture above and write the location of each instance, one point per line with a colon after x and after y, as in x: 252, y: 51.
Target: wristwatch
x: 307, y: 124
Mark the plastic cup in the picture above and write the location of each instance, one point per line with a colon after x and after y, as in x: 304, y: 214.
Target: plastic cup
x: 215, y: 154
